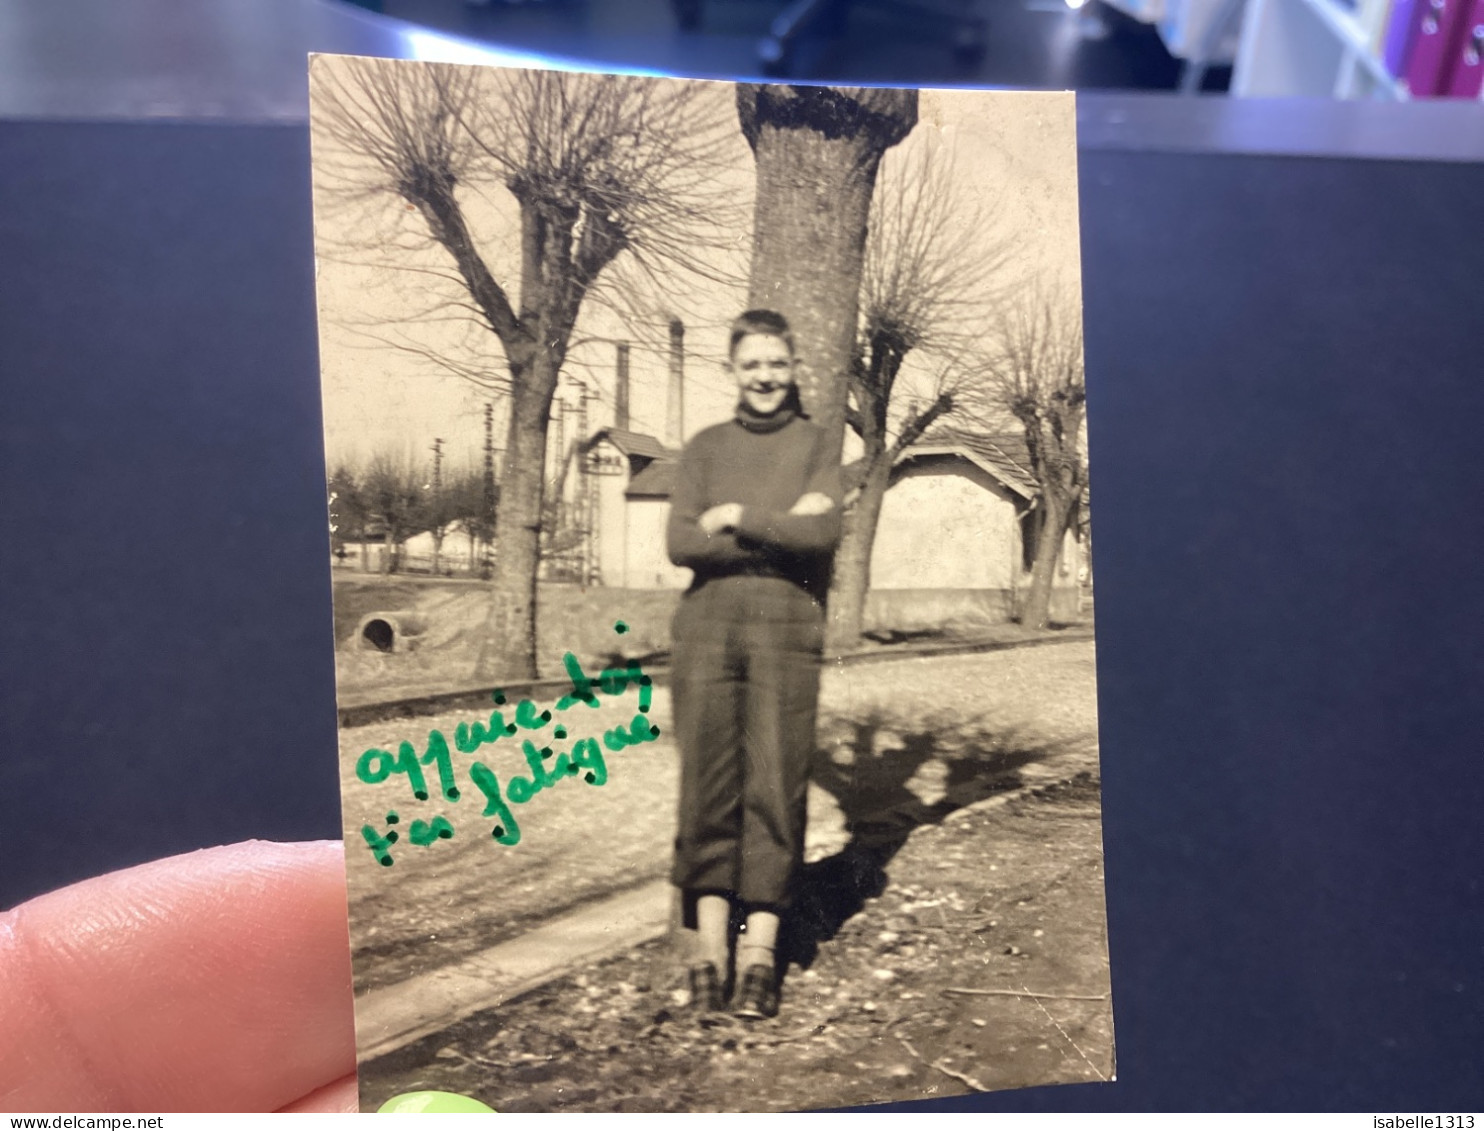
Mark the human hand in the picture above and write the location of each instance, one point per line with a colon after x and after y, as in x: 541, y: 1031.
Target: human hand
x: 726, y: 516
x: 214, y: 981
x: 814, y: 503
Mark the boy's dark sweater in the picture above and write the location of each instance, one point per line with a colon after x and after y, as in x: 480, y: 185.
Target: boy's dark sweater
x: 766, y: 472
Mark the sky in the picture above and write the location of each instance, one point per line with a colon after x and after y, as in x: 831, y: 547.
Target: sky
x: 1013, y: 157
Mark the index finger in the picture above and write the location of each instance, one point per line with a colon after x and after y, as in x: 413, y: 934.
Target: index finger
x: 214, y: 981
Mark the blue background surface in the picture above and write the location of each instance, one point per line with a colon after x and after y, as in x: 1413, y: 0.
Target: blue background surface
x: 1284, y: 368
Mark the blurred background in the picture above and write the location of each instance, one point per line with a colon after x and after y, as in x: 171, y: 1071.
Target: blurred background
x: 239, y: 58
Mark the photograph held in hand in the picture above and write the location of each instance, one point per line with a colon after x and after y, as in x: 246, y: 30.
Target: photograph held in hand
x: 713, y: 594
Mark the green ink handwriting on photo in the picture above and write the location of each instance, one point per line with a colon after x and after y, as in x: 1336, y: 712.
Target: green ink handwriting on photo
x: 547, y: 766
x: 437, y: 753
x: 424, y: 833
x: 620, y: 628
x: 469, y: 737
x: 525, y: 715
x: 640, y: 730
x: 440, y: 1103
x: 582, y: 686
x: 507, y: 831
x: 379, y: 845
x: 375, y: 766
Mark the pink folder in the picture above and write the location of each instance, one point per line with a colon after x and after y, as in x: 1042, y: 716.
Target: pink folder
x: 1434, y: 47
x: 1467, y: 77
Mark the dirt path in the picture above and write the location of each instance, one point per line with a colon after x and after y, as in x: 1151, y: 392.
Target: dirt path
x: 905, y: 744
x: 1006, y: 899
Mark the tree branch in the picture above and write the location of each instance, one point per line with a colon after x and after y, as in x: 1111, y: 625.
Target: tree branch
x: 920, y: 423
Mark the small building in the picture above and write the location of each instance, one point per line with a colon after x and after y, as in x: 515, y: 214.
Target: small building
x: 955, y: 541
x: 960, y: 518
x: 632, y: 476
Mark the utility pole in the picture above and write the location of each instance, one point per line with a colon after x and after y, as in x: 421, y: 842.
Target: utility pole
x: 675, y: 402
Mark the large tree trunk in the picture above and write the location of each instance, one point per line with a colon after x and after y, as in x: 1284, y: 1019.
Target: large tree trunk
x: 1036, y: 612
x: 817, y: 151
x: 852, y: 580
x: 564, y: 245
x: 509, y: 647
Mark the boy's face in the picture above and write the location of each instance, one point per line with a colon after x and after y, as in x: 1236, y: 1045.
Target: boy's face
x: 764, y: 369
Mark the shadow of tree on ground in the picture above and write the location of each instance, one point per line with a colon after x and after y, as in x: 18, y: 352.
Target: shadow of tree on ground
x: 891, y: 775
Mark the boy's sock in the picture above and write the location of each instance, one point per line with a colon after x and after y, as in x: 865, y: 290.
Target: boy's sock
x: 756, y: 944
x: 713, y: 917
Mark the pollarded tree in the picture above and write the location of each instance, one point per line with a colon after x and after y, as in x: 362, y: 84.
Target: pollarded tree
x: 464, y: 490
x: 817, y: 152
x: 598, y: 167
x: 927, y: 287
x: 393, y: 495
x: 1034, y: 373
x: 440, y: 506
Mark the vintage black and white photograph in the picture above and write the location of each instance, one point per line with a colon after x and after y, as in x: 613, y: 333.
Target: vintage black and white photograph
x: 712, y: 568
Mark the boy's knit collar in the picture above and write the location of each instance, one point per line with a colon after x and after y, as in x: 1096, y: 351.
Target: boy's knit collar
x: 756, y: 422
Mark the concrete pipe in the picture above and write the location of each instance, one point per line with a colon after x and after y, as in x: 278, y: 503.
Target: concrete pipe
x: 399, y: 631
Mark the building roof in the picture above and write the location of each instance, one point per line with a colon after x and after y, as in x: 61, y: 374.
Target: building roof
x: 657, y: 481
x: 1003, y: 455
x: 632, y: 443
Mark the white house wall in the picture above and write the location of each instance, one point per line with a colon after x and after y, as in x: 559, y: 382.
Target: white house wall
x: 945, y: 524
x: 648, y: 565
x: 610, y: 520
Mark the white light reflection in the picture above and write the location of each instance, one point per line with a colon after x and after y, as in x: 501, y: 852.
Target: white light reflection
x: 435, y: 47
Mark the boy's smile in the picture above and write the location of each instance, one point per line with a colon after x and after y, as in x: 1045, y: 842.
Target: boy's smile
x: 764, y: 368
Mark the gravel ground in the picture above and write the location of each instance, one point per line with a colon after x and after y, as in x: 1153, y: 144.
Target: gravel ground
x: 980, y: 965
x: 904, y: 743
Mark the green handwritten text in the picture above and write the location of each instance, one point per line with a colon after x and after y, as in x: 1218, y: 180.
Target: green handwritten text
x: 544, y: 767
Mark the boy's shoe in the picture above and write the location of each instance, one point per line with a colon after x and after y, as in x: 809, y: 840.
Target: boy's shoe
x: 706, y: 995
x: 757, y: 996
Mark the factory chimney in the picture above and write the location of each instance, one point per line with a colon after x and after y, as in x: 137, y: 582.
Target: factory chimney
x: 621, y: 394
x: 675, y: 405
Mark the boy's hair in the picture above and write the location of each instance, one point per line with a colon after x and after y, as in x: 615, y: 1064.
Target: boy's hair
x: 760, y: 322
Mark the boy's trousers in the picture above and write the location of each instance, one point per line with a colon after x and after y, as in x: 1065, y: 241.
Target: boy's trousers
x: 745, y: 683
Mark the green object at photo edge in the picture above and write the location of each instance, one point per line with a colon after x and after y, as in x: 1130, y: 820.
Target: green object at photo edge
x: 433, y: 1102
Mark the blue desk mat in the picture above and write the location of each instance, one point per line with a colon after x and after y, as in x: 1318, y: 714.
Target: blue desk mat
x: 1285, y: 408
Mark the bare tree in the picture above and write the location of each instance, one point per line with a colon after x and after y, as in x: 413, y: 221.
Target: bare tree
x: 393, y: 496
x: 817, y: 151
x: 927, y: 286
x: 1034, y: 374
x: 597, y: 167
x: 439, y: 506
x: 464, y: 507
x: 347, y: 510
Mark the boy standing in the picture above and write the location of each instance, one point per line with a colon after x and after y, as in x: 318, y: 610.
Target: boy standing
x: 755, y: 514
